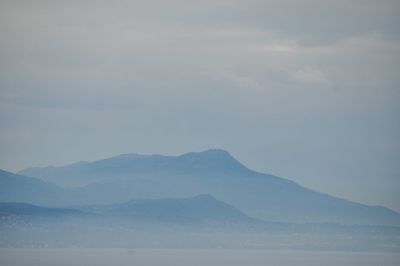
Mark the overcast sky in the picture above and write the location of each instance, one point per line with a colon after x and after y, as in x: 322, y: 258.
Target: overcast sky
x: 305, y: 89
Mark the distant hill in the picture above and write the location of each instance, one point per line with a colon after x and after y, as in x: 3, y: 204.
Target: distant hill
x: 128, y: 166
x: 28, y: 210
x: 199, y: 222
x: 201, y: 210
x: 19, y: 188
x: 193, y: 210
x: 214, y: 172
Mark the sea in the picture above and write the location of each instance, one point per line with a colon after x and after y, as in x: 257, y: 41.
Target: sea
x: 190, y: 257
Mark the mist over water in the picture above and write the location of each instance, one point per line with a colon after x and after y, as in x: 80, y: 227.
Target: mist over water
x: 190, y: 257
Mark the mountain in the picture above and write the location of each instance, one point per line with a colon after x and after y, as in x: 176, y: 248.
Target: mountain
x: 214, y: 172
x: 199, y: 222
x: 193, y: 210
x: 128, y: 166
x: 13, y: 209
x: 19, y: 188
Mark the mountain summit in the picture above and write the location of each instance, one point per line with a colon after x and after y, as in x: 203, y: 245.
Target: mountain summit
x: 214, y: 161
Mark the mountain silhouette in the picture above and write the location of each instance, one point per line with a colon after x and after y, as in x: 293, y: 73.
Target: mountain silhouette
x: 29, y: 210
x: 193, y: 210
x: 214, y: 172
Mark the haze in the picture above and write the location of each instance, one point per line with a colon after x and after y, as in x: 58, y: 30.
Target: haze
x: 307, y: 90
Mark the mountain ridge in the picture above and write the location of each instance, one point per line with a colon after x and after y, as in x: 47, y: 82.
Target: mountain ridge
x: 191, y: 210
x: 158, y: 223
x: 215, y: 172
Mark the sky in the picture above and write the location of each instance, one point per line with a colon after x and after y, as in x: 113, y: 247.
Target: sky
x: 307, y: 89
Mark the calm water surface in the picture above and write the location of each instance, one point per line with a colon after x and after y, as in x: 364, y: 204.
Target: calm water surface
x: 189, y: 257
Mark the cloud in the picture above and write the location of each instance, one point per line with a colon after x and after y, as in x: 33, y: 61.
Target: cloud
x: 310, y: 75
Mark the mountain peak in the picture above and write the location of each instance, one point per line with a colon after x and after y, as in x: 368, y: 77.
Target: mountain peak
x: 209, y: 152
x: 213, y: 160
x: 216, y: 151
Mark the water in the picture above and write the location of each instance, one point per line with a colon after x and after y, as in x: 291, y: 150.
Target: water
x: 189, y: 257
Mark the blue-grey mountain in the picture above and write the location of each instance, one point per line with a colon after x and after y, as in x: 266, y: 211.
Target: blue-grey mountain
x: 16, y: 209
x: 19, y: 188
x: 193, y: 210
x: 190, y: 211
x: 214, y: 172
x: 200, y: 221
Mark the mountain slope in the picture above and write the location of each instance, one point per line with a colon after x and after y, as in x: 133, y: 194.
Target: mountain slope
x: 134, y: 165
x: 201, y: 210
x: 193, y: 210
x: 18, y: 188
x: 201, y: 221
x: 29, y: 210
x: 213, y: 172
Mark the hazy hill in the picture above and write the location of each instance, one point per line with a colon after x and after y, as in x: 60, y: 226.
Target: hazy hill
x: 190, y: 211
x: 193, y: 210
x: 18, y: 188
x: 211, y: 162
x: 28, y: 210
x: 201, y: 221
x: 213, y: 172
